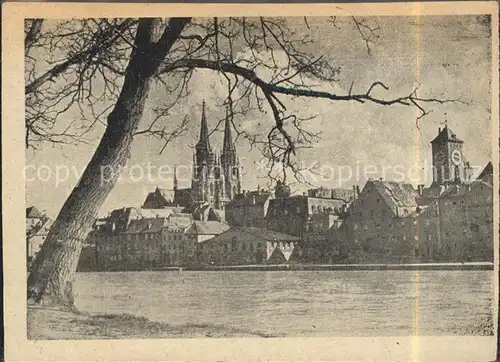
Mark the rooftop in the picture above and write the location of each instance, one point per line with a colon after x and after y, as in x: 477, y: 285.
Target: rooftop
x: 146, y: 225
x: 33, y: 213
x: 207, y: 228
x: 258, y: 197
x: 396, y: 194
x: 446, y: 134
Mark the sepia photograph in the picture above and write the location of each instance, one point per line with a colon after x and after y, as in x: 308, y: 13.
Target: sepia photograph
x: 258, y: 176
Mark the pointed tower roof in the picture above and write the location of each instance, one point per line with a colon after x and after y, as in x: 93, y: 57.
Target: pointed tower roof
x: 446, y: 135
x: 176, y: 183
x: 488, y: 170
x: 228, y: 146
x: 33, y: 212
x: 204, y: 141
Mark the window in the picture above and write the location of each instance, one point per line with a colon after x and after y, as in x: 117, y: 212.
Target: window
x: 298, y: 210
x: 251, y: 246
x: 243, y: 247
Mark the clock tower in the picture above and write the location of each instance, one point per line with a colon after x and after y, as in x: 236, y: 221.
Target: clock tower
x: 449, y: 164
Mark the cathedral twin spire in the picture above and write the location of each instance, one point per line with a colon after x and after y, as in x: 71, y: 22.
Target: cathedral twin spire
x: 204, y: 141
x: 214, y: 176
x: 204, y: 152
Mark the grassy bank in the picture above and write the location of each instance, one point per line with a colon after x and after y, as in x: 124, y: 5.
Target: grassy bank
x: 44, y: 324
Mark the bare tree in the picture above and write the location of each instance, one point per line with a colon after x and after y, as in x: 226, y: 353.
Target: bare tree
x: 264, y: 62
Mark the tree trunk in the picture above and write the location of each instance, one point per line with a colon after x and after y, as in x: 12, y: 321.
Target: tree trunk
x: 51, y: 279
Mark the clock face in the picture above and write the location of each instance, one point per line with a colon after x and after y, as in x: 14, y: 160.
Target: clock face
x: 456, y: 157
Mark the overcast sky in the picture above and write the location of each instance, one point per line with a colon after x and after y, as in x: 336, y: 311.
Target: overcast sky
x: 448, y: 56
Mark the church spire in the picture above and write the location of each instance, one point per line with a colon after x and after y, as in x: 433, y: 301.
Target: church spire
x: 228, y: 149
x: 204, y: 141
x: 175, y: 178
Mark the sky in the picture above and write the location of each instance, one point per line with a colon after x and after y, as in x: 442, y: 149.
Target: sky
x: 446, y: 56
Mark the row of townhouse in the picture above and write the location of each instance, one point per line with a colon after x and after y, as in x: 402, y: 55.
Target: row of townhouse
x: 392, y: 223
x: 123, y: 242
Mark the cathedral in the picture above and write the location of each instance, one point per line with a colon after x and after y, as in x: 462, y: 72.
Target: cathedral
x: 216, y: 179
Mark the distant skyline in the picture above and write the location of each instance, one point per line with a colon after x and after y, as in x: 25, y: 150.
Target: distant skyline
x: 448, y: 56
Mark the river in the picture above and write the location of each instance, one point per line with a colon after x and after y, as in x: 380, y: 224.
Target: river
x: 300, y: 303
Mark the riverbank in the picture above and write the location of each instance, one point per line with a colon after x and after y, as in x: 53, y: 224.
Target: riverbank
x: 49, y: 324
x: 362, y: 267
x: 321, y: 267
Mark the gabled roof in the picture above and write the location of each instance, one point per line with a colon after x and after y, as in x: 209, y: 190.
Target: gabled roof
x: 395, y: 194
x: 121, y: 218
x: 33, y: 213
x: 205, y: 212
x: 250, y: 198
x: 159, y: 198
x: 164, y: 212
x: 207, y: 228
x: 488, y: 170
x: 146, y: 225
x: 446, y: 135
